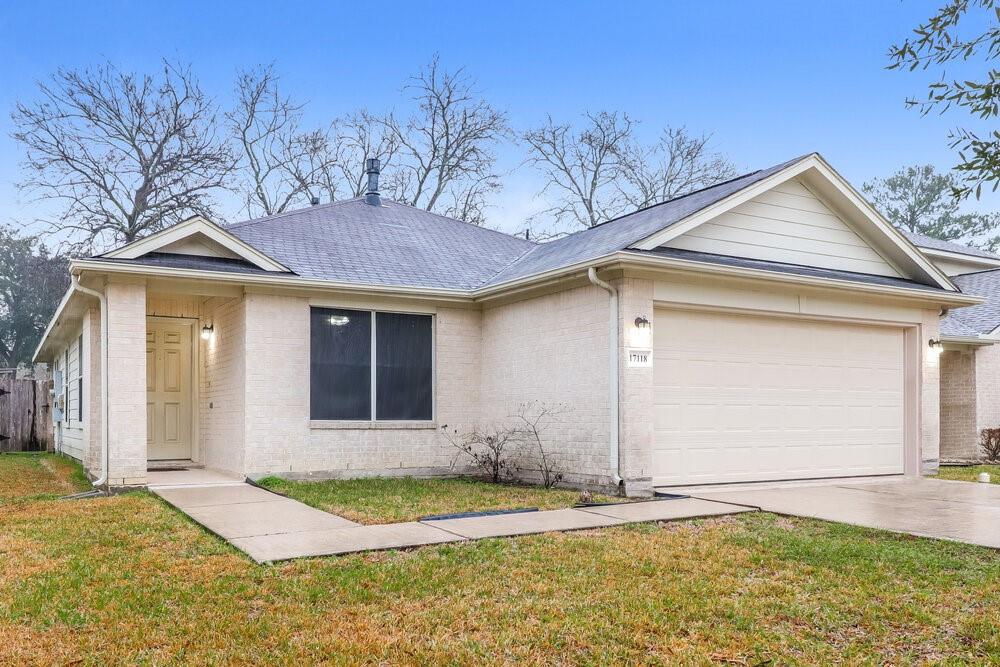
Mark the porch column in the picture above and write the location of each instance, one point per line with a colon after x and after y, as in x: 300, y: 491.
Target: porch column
x: 126, y: 383
x: 635, y: 386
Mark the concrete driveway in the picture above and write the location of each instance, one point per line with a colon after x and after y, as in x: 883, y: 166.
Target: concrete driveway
x: 962, y: 511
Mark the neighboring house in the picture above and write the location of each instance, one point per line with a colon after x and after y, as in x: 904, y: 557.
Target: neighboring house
x: 771, y: 327
x: 970, y: 364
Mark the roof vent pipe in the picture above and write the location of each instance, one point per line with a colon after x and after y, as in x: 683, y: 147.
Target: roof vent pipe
x: 371, y: 195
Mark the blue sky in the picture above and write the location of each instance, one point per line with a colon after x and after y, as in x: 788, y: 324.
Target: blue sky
x: 769, y: 80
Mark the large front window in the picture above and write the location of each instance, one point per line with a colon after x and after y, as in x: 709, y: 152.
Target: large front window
x: 367, y: 365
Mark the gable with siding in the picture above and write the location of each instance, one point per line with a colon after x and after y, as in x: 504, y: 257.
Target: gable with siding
x: 789, y: 224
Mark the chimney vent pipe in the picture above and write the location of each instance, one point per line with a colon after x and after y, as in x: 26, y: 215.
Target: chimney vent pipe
x: 372, y: 169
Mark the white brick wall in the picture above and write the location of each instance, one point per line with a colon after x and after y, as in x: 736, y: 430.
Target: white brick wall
x: 958, y: 404
x: 554, y: 349
x: 279, y: 437
x: 127, y: 383
x: 221, y: 385
x: 930, y: 406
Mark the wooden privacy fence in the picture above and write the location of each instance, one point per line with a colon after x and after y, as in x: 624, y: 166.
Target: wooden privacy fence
x: 25, y: 417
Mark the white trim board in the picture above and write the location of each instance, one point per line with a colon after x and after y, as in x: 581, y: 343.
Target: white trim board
x: 192, y: 227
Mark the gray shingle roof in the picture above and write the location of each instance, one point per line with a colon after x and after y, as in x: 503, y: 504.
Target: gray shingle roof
x: 397, y: 245
x: 924, y: 241
x: 392, y: 244
x: 194, y: 262
x: 794, y: 269
x: 981, y: 318
x: 627, y: 230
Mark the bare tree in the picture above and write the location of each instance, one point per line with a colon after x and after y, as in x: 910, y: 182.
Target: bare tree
x: 124, y: 154
x: 280, y: 164
x: 603, y: 171
x: 676, y: 164
x: 581, y: 168
x: 445, y: 159
x: 359, y: 136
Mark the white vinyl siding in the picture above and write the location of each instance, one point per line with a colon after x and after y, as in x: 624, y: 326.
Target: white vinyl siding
x: 72, y: 427
x: 786, y: 224
x: 746, y: 398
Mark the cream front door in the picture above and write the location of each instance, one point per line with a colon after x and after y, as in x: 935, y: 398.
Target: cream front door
x: 168, y: 389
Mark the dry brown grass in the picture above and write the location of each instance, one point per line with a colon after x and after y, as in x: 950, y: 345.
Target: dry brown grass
x: 127, y: 580
x: 33, y: 476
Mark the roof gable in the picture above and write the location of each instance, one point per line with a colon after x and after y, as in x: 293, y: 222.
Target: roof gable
x: 787, y: 224
x: 199, y: 237
x: 892, y: 254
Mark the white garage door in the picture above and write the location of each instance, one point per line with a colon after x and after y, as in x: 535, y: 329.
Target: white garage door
x: 742, y: 398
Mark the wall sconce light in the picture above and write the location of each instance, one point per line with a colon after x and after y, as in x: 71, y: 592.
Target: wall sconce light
x: 206, y: 331
x: 640, y: 334
x: 937, y: 347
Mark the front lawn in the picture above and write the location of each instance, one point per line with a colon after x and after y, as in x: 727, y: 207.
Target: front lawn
x: 390, y: 500
x: 969, y: 473
x: 26, y: 477
x: 128, y: 580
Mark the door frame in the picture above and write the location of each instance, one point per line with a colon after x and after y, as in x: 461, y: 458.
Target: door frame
x: 195, y: 382
x: 913, y: 371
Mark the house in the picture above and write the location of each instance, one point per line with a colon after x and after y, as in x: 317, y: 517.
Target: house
x: 970, y: 363
x: 770, y: 327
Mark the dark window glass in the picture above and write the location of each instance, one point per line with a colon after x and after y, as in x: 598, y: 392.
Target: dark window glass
x: 403, y: 383
x: 340, y: 364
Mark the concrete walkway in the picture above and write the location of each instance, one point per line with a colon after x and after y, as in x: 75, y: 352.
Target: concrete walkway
x: 962, y: 511
x: 270, y: 527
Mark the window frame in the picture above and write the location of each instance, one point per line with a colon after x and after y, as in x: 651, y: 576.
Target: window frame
x: 79, y: 379
x: 373, y: 367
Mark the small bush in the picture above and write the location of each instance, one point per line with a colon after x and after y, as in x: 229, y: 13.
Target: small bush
x: 491, y: 450
x: 989, y: 440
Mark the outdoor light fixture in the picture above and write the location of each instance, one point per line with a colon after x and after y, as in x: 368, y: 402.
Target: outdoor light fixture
x: 936, y: 346
x: 339, y: 320
x: 639, y: 336
x: 206, y: 331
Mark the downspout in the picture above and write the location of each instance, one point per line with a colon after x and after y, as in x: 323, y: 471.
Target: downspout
x: 103, y: 479
x: 613, y: 356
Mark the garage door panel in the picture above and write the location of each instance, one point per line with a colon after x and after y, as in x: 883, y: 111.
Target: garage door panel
x: 748, y: 398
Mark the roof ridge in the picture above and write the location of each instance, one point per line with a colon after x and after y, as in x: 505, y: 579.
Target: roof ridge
x: 275, y: 216
x: 465, y: 222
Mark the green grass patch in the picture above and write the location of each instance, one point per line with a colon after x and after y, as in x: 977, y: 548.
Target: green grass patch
x: 390, y: 500
x: 128, y: 580
x: 969, y: 473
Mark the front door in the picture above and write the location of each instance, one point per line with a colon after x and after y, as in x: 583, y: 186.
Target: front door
x: 168, y: 388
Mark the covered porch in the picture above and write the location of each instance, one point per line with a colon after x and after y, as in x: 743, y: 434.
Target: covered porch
x: 184, y: 407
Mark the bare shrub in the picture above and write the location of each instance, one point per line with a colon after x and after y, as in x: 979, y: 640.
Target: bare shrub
x: 531, y: 420
x: 989, y: 440
x: 491, y: 449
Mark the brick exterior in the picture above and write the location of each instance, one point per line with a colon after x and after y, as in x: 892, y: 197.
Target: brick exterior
x: 221, y: 385
x: 958, y: 404
x: 930, y: 391
x: 970, y: 399
x: 281, y: 439
x: 553, y: 349
x: 126, y: 383
x: 635, y: 299
x: 253, y: 383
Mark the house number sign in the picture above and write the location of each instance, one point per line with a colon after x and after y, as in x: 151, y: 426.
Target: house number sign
x: 638, y: 358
